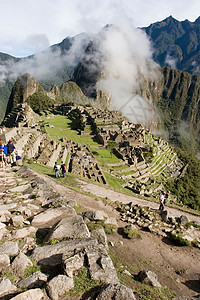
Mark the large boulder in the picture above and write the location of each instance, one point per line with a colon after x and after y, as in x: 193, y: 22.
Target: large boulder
x: 70, y: 228
x: 183, y: 220
x: 100, y: 265
x: 52, y: 255
x: 30, y: 295
x: 20, y: 263
x: 72, y: 264
x: 9, y: 248
x: 58, y: 286
x: 52, y: 216
x: 6, y: 287
x: 95, y: 258
x: 36, y: 280
x: 114, y: 292
x: 95, y: 215
x: 100, y: 235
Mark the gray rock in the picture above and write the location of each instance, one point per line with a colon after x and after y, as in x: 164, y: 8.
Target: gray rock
x: 58, y: 286
x: 36, y: 280
x: 72, y: 264
x: 96, y: 215
x: 20, y: 263
x: 17, y: 221
x: 6, y: 287
x: 52, y: 255
x: 100, y: 235
x: 183, y: 220
x: 70, y: 228
x: 114, y: 292
x: 9, y: 248
x: 24, y: 232
x: 30, y: 295
x: 148, y: 277
x: 111, y: 220
x: 4, y: 262
x: 100, y: 265
x: 51, y: 216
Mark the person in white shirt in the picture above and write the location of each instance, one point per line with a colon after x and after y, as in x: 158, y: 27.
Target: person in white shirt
x: 162, y: 201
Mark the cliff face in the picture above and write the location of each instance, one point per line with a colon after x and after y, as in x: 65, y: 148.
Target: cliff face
x: 176, y: 44
x: 24, y: 87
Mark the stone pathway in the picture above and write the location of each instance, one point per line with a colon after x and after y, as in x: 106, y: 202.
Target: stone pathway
x: 116, y: 196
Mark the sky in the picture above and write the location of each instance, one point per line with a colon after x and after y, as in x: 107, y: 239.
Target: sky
x: 30, y: 26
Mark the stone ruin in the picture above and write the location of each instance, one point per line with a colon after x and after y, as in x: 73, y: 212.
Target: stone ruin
x: 83, y: 163
x: 133, y: 142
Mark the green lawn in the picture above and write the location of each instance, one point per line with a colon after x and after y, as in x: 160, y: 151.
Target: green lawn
x: 104, y: 156
x: 62, y: 128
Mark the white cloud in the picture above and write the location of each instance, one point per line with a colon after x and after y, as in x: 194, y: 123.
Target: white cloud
x: 127, y: 58
x: 171, y: 61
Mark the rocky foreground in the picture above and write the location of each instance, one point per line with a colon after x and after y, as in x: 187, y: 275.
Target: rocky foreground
x: 45, y: 242
x: 40, y: 229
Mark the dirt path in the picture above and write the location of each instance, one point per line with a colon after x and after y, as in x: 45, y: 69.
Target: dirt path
x: 116, y: 196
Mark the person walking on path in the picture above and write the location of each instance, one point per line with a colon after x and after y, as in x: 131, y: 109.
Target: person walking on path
x: 57, y: 169
x: 63, y: 169
x: 162, y: 201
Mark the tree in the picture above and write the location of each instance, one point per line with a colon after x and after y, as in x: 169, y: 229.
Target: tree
x: 111, y: 145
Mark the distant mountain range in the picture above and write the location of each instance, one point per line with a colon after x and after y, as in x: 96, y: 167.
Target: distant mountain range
x: 176, y: 44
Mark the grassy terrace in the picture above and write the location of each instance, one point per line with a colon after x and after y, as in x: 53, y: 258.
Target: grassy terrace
x: 62, y: 128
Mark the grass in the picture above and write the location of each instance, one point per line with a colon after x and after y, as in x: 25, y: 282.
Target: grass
x: 104, y: 156
x: 62, y: 128
x: 178, y: 240
x: 82, y: 283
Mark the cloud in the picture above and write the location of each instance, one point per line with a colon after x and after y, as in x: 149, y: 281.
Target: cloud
x: 58, y: 19
x: 170, y: 61
x: 38, y: 42
x: 45, y: 65
x: 127, y: 60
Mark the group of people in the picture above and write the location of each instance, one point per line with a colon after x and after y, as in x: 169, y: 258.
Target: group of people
x: 8, y: 153
x: 57, y: 169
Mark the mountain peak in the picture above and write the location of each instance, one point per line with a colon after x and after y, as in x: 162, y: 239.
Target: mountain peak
x: 197, y: 21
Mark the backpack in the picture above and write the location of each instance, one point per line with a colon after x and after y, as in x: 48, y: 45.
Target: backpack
x: 64, y: 168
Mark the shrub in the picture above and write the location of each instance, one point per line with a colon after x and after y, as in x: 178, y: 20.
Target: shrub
x: 179, y: 240
x: 131, y: 232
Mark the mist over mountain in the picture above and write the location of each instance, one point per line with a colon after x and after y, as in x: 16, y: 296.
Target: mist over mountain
x: 119, y: 65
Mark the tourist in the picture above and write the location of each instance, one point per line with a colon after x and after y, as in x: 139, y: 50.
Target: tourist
x: 64, y: 169
x: 162, y: 201
x: 10, y: 151
x: 2, y: 157
x: 57, y: 169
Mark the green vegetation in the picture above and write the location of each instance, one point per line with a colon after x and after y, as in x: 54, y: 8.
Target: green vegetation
x: 39, y: 102
x: 178, y: 240
x: 108, y: 228
x: 31, y: 269
x: 131, y: 233
x: 145, y: 292
x: 82, y: 283
x: 187, y: 187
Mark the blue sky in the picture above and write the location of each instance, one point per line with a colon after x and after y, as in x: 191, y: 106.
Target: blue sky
x: 29, y: 26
